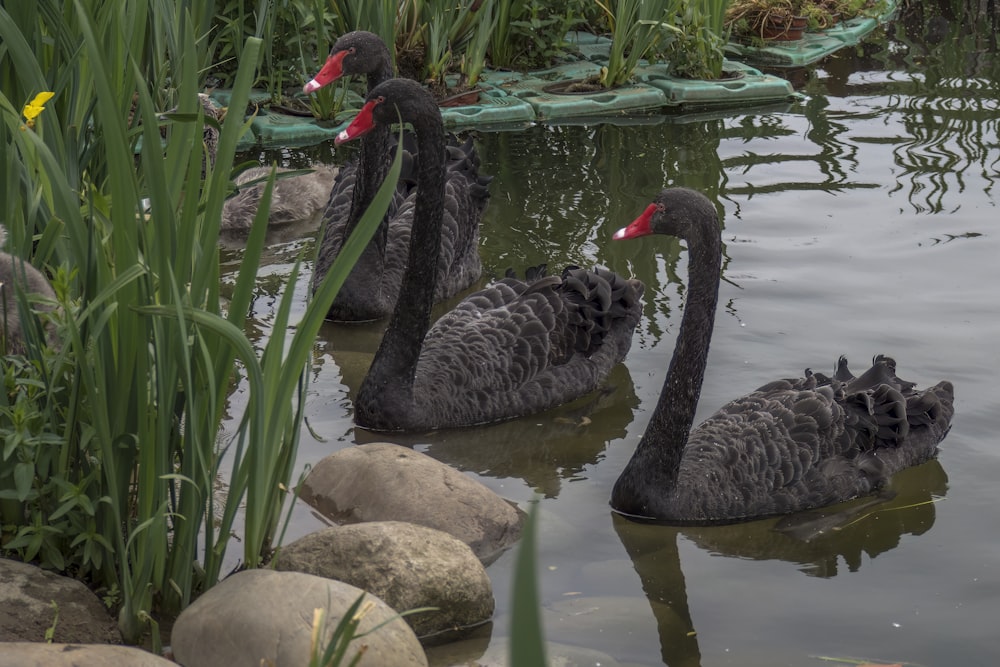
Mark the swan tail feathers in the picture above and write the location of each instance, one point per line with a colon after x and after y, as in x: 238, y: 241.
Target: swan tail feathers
x: 596, y: 301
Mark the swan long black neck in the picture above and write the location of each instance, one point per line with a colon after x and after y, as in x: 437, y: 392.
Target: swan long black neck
x: 658, y: 455
x: 375, y: 157
x: 374, y: 160
x: 389, y: 382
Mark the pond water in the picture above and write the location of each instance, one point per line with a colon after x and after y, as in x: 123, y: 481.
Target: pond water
x: 861, y: 221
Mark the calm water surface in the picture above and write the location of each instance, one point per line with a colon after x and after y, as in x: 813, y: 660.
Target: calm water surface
x: 861, y: 221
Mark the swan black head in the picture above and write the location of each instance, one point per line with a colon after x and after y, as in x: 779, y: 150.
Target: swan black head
x: 358, y: 52
x: 413, y: 101
x: 680, y: 212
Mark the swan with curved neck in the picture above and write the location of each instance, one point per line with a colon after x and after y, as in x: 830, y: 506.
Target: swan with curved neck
x: 792, y: 444
x: 511, y: 349
x: 372, y: 288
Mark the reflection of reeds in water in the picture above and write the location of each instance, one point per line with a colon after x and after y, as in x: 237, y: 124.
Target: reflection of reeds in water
x: 947, y: 115
x: 947, y: 136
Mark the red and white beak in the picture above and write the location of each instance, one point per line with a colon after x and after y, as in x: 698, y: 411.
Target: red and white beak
x: 361, y: 125
x: 641, y: 226
x: 332, y: 70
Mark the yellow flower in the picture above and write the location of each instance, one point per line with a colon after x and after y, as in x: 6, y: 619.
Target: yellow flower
x: 35, y: 107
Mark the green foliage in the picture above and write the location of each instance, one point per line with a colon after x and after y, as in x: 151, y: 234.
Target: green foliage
x: 696, y: 49
x: 333, y: 652
x: 527, y: 640
x: 637, y: 28
x: 474, y: 58
x: 295, y: 35
x: 378, y: 16
x: 50, y: 632
x: 531, y: 33
x: 110, y: 438
x: 446, y: 29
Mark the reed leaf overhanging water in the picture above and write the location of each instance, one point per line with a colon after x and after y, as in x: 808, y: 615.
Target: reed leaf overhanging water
x: 124, y: 441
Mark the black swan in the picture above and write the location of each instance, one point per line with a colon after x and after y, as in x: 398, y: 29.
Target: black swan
x: 511, y: 349
x: 371, y: 290
x: 790, y: 445
x: 293, y: 198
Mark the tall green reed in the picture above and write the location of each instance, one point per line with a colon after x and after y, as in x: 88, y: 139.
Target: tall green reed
x: 694, y: 45
x: 474, y: 57
x: 125, y: 440
x: 527, y: 637
x: 636, y: 29
x: 378, y: 16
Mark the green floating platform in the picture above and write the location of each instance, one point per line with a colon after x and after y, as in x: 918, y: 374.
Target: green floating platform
x: 495, y: 107
x: 549, y: 105
x: 275, y: 129
x: 746, y: 86
x: 814, y: 46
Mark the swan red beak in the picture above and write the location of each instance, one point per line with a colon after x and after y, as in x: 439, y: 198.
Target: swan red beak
x: 641, y: 226
x: 332, y: 70
x: 361, y: 125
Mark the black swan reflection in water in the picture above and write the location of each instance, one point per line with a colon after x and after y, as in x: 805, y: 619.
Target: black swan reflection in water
x: 863, y: 530
x: 791, y: 445
x: 373, y: 286
x: 512, y: 349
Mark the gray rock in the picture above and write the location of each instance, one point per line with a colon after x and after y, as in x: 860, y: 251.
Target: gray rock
x: 385, y: 482
x: 30, y: 654
x: 27, y: 595
x: 260, y: 617
x: 407, y: 566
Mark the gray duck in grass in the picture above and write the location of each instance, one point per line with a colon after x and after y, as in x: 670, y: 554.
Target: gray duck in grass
x: 294, y: 198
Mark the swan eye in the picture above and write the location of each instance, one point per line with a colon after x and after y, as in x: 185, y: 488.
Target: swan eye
x: 661, y: 208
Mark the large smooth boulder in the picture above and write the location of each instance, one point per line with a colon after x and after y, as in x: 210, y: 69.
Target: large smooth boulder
x: 31, y: 654
x: 260, y: 617
x: 32, y: 600
x: 407, y: 566
x: 385, y: 482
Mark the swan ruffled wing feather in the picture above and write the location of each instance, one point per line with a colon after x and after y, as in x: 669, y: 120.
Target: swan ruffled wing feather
x: 516, y: 346
x: 801, y: 443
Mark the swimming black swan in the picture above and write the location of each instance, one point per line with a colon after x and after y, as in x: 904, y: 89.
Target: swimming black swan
x: 371, y: 290
x: 511, y: 349
x: 293, y: 198
x: 790, y: 445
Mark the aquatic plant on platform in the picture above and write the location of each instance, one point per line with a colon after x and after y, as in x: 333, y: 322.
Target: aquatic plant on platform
x: 830, y: 28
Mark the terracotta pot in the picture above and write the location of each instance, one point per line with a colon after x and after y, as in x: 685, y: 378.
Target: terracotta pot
x: 461, y: 99
x: 780, y: 30
x: 574, y: 87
